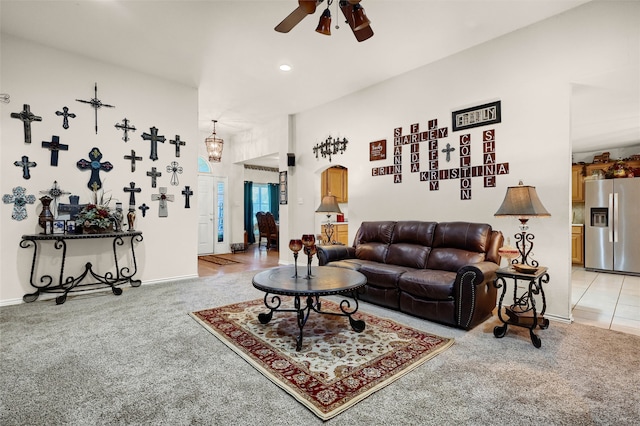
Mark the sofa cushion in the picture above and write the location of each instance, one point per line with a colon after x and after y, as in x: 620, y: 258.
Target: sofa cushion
x: 428, y: 284
x: 380, y: 274
x: 456, y: 244
x: 411, y: 244
x: 373, y: 239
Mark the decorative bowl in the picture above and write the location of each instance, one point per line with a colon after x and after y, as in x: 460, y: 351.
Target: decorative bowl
x: 524, y: 269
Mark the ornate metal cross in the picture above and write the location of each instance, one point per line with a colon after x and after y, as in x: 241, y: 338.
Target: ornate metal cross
x: 177, y: 142
x: 132, y: 194
x: 448, y: 150
x: 95, y: 166
x: 27, y: 117
x: 163, y: 198
x: 187, y: 192
x: 133, y: 159
x: 175, y: 170
x: 54, y: 146
x: 154, y: 138
x: 144, y: 209
x: 153, y: 174
x: 126, y: 128
x: 55, y: 192
x: 25, y: 164
x: 95, y: 104
x: 65, y: 116
x: 20, y: 201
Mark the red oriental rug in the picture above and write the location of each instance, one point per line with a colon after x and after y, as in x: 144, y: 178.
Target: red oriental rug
x: 336, y: 367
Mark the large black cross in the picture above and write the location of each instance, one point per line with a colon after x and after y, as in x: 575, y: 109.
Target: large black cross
x: 187, y: 192
x: 27, y: 117
x: 154, y: 138
x: 95, y: 104
x: 54, y: 146
x: 25, y: 164
x: 153, y: 174
x: 95, y: 166
x: 126, y: 128
x: 132, y: 194
x: 177, y: 142
x: 65, y: 116
x: 133, y: 159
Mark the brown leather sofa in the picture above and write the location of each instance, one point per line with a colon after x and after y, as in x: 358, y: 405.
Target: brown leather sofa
x: 442, y: 272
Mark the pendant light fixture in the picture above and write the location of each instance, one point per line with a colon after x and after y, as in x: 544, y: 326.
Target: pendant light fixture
x: 214, y: 145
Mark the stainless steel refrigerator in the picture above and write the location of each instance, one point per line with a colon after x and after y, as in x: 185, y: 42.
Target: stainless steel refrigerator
x: 612, y: 225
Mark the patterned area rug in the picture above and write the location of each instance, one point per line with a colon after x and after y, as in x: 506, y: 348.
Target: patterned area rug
x: 336, y: 367
x: 217, y: 259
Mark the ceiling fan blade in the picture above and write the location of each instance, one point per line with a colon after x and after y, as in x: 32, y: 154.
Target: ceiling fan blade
x: 305, y: 7
x: 361, y: 34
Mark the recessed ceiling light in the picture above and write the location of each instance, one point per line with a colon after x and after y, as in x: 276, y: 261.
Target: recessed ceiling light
x: 285, y: 67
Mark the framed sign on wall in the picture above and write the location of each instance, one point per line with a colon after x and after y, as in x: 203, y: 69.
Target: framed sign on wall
x: 283, y: 187
x: 476, y: 116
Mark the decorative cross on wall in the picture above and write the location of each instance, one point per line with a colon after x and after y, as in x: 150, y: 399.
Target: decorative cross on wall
x: 65, y: 116
x: 133, y: 159
x: 448, y: 150
x: 178, y: 143
x: 55, y: 192
x: 95, y: 166
x: 73, y: 208
x: 25, y: 164
x: 154, y: 138
x: 132, y: 194
x: 163, y: 211
x: 95, y: 104
x: 26, y: 116
x: 144, y: 209
x: 153, y: 174
x: 175, y: 169
x: 55, y: 146
x: 20, y: 201
x: 187, y: 192
x: 126, y: 128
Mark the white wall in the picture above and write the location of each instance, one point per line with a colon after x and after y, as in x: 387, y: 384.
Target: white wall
x: 48, y: 79
x: 530, y: 72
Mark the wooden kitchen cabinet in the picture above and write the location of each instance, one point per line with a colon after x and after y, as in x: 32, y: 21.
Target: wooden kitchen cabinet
x: 340, y: 233
x: 335, y: 182
x: 577, y: 245
x: 577, y: 183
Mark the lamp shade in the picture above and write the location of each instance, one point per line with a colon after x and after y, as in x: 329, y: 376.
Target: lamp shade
x: 359, y: 18
x: 329, y: 204
x: 324, y: 25
x: 522, y: 201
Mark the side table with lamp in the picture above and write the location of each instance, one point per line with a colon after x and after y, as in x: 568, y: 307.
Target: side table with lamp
x: 522, y: 202
x: 329, y: 205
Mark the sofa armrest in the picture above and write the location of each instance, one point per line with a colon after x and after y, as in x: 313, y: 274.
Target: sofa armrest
x: 475, y: 294
x: 333, y: 253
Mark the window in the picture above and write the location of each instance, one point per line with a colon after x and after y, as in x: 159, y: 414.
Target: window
x: 260, y: 200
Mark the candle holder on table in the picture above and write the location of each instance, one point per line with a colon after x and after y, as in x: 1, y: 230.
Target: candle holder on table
x: 309, y: 242
x: 295, y: 246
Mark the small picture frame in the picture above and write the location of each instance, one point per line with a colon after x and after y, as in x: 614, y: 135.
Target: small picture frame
x: 58, y: 226
x: 48, y: 227
x: 71, y: 226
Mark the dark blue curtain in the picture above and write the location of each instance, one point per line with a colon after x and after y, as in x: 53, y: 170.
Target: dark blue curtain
x: 274, y: 204
x: 248, y: 212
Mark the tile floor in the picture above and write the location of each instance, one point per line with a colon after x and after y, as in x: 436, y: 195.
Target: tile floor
x: 606, y: 300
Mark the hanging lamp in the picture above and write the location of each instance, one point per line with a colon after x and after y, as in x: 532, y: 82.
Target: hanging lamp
x: 214, y: 145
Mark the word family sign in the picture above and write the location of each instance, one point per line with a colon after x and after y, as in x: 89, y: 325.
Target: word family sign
x: 435, y: 172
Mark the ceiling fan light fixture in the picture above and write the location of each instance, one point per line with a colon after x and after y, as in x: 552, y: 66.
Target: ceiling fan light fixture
x: 214, y: 145
x: 324, y: 25
x: 359, y: 18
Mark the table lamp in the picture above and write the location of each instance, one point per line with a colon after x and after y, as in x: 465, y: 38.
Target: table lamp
x: 329, y: 205
x: 522, y: 202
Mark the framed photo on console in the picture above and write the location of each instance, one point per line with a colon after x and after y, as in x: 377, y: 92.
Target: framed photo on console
x: 58, y: 227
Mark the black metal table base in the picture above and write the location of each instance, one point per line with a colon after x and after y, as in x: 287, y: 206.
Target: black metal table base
x: 88, y: 279
x: 313, y: 303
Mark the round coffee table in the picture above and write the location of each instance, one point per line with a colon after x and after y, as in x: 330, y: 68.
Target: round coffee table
x: 324, y: 281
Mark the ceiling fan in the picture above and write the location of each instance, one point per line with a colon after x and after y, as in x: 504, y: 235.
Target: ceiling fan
x: 351, y: 9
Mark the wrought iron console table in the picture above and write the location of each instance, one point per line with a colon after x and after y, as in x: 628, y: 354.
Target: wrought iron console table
x: 46, y: 284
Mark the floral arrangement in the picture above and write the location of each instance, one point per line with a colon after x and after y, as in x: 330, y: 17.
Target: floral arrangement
x: 97, y: 213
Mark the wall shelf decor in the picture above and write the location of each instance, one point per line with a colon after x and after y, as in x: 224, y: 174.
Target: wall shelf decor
x: 26, y: 116
x: 95, y: 166
x: 95, y: 104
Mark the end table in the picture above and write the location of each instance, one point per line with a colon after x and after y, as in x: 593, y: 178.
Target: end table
x: 522, y: 312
